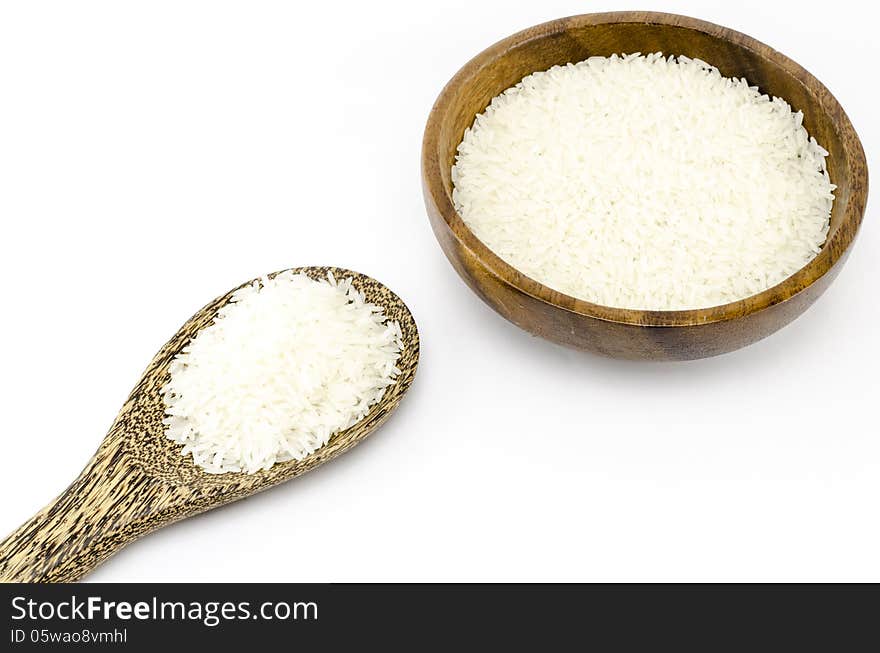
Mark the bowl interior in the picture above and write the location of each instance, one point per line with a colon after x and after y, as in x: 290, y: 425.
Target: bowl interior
x: 734, y: 54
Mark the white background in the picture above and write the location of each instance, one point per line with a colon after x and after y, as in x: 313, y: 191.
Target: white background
x: 155, y: 154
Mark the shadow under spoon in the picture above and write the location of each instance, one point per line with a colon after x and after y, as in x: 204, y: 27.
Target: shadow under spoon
x: 138, y: 480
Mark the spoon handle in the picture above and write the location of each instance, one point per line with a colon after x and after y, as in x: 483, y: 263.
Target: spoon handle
x: 110, y: 504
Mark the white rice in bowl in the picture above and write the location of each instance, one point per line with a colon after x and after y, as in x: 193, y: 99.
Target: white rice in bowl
x: 644, y: 182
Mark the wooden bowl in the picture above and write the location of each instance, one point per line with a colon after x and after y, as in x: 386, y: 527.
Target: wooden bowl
x: 616, y: 332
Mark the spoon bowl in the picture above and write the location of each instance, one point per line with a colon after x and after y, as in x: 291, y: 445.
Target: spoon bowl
x: 138, y: 480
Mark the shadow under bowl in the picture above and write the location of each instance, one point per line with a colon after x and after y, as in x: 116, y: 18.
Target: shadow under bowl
x: 626, y: 333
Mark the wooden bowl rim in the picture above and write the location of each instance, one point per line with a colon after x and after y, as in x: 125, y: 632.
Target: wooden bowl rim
x: 854, y: 166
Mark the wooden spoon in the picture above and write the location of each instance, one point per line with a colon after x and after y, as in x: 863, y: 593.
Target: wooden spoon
x: 138, y: 480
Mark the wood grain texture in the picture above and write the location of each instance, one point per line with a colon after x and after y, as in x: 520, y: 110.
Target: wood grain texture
x: 138, y: 481
x: 624, y: 333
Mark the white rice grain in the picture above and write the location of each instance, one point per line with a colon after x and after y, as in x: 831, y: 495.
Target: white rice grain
x: 644, y: 182
x: 288, y: 362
